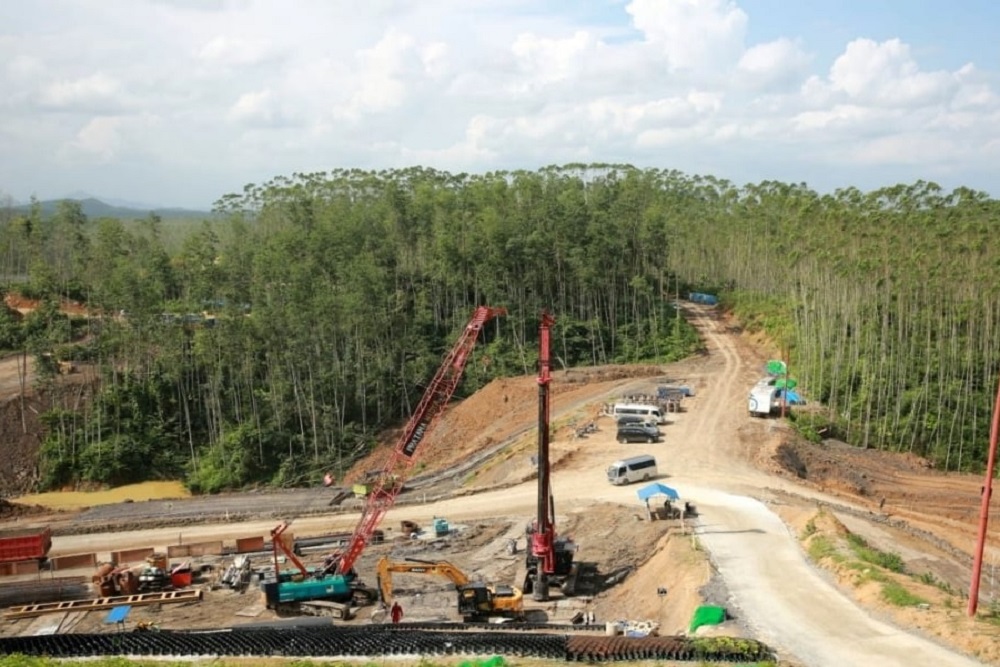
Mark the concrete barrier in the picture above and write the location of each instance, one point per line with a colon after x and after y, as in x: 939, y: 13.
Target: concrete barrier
x: 205, y: 548
x: 195, y: 549
x: 131, y: 555
x: 249, y: 544
x: 71, y: 561
x: 178, y: 551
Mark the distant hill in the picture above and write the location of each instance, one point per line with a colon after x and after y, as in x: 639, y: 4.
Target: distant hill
x: 95, y: 208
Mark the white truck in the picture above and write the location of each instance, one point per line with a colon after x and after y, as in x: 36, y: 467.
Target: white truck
x: 764, y: 398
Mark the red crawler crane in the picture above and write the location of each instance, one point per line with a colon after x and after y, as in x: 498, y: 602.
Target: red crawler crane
x: 389, y: 481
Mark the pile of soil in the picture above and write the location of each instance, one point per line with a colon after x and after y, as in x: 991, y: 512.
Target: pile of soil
x: 24, y: 305
x: 12, y: 511
x: 501, y: 410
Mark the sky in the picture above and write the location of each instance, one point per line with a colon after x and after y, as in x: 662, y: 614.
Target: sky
x: 179, y: 102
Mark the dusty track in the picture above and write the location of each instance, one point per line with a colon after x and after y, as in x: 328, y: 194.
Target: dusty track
x: 709, y: 455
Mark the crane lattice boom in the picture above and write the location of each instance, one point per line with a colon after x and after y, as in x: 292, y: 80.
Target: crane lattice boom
x: 389, y: 482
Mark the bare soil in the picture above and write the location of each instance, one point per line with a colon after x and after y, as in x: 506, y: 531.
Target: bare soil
x: 479, y: 462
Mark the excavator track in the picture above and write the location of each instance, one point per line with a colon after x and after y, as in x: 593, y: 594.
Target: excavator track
x: 370, y: 641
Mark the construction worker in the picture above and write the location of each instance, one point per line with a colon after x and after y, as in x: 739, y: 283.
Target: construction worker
x: 396, y: 613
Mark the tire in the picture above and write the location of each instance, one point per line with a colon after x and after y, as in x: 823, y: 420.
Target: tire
x: 623, y: 440
x: 645, y: 477
x: 650, y: 440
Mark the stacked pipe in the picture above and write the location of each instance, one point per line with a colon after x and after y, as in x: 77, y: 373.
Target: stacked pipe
x: 44, y: 590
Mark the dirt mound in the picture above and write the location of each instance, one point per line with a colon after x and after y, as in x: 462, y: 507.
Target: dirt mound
x: 24, y: 305
x: 13, y: 511
x: 503, y: 409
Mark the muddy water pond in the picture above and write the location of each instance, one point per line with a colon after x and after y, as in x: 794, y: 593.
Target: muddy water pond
x: 69, y: 500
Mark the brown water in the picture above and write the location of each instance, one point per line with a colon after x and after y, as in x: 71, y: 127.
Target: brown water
x: 67, y: 500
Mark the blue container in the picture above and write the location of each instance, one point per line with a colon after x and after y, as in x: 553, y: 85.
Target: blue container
x: 701, y: 297
x: 334, y: 587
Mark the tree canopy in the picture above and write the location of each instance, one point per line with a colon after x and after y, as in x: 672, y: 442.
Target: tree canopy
x: 274, y: 341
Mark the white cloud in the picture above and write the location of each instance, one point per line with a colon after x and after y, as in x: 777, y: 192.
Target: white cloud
x: 885, y: 73
x: 100, y: 139
x: 258, y: 108
x: 774, y: 64
x: 692, y: 34
x: 228, y: 51
x: 543, y: 60
x: 379, y: 82
x: 241, y: 90
x: 24, y: 68
x: 90, y: 91
x: 435, y: 59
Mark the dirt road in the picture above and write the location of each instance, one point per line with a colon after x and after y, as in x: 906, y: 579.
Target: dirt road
x: 707, y: 456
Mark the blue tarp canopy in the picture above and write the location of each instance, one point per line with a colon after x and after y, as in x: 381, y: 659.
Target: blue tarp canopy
x: 118, y: 614
x: 657, y: 489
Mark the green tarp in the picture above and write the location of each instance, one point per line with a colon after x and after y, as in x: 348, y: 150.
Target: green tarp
x: 707, y: 615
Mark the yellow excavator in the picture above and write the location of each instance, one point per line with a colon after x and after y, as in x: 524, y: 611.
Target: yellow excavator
x: 476, y: 601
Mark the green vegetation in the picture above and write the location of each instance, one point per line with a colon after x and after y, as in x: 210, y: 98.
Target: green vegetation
x: 270, y: 345
x: 872, y: 565
x: 821, y: 547
x: 330, y: 298
x: 886, y: 560
x: 896, y: 594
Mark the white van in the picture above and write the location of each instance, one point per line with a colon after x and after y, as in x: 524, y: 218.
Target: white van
x: 634, y: 469
x: 650, y: 412
x: 763, y: 399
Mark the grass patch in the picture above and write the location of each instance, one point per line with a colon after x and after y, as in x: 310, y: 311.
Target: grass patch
x: 821, y: 547
x: 810, y: 528
x: 895, y: 593
x: 884, y: 559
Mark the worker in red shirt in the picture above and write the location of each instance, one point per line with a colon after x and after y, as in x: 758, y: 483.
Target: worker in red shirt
x: 396, y: 613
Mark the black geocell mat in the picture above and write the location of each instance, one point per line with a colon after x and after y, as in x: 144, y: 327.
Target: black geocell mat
x: 373, y: 641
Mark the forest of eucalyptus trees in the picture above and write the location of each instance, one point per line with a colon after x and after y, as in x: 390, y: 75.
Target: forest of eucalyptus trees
x: 335, y: 294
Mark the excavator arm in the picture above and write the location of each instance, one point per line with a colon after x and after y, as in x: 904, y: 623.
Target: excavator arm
x: 277, y: 543
x: 443, y: 568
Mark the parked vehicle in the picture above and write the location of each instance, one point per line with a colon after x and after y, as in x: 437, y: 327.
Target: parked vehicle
x: 763, y: 399
x: 638, y: 433
x: 634, y: 469
x: 635, y: 419
x: 26, y: 544
x: 650, y: 412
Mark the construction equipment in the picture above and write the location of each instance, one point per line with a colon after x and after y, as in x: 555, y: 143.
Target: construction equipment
x: 308, y: 591
x: 237, y: 576
x: 25, y: 544
x: 476, y: 601
x: 549, y: 560
x: 337, y: 582
x: 153, y: 579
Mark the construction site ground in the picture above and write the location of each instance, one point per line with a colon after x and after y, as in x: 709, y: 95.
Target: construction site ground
x: 763, y: 497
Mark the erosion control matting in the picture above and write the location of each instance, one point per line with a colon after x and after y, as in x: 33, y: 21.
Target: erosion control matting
x: 377, y: 640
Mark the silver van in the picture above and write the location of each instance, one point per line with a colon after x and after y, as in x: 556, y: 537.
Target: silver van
x: 634, y: 469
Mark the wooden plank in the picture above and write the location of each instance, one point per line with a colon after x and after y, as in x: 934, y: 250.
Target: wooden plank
x: 45, y: 625
x: 72, y: 620
x: 168, y: 597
